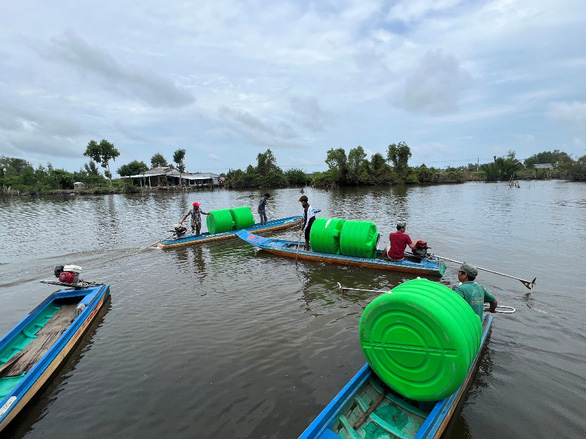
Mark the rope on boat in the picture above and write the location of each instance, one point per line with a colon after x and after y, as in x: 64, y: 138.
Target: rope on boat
x: 501, y: 309
x: 345, y: 289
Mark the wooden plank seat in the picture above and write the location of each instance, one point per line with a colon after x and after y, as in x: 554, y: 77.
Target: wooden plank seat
x: 44, y: 339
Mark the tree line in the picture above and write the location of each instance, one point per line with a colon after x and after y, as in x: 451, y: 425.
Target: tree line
x: 356, y: 169
x: 344, y: 169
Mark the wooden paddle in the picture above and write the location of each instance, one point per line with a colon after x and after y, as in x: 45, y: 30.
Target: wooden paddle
x: 528, y: 284
x: 298, y: 244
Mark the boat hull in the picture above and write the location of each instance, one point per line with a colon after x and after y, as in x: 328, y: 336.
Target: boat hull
x: 289, y: 249
x: 271, y: 226
x: 91, y: 301
x: 425, y: 420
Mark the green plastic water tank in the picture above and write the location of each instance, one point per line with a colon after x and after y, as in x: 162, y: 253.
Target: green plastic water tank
x: 219, y: 221
x: 420, y: 339
x: 460, y: 309
x: 359, y: 238
x: 325, y: 235
x: 242, y: 217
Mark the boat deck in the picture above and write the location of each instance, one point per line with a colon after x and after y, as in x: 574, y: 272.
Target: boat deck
x: 37, y: 339
x: 376, y: 411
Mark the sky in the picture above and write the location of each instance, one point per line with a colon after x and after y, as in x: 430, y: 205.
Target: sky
x: 458, y: 81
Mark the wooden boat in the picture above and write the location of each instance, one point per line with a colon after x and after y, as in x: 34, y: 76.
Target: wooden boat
x: 295, y: 250
x: 366, y: 408
x: 270, y: 226
x: 34, y: 349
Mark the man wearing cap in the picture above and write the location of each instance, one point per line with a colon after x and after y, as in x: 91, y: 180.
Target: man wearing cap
x: 195, y: 215
x: 473, y: 293
x: 399, y: 242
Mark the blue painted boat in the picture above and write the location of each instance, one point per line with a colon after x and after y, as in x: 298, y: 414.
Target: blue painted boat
x: 293, y: 249
x: 366, y: 408
x: 35, y: 348
x: 270, y: 226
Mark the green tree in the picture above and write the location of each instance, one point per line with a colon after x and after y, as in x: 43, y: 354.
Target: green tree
x: 60, y: 179
x: 133, y: 168
x: 16, y: 173
x: 158, y: 161
x: 10, y: 166
x: 554, y: 157
x: 357, y: 166
x: 296, y: 177
x: 379, y: 169
x: 178, y: 158
x: 399, y: 156
x: 578, y: 170
x: 338, y: 164
x: 91, y: 168
x: 502, y: 168
x: 266, y: 163
x: 102, y: 153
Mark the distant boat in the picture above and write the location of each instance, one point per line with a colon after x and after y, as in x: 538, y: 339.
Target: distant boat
x: 366, y: 408
x: 35, y: 348
x: 293, y: 249
x: 270, y: 226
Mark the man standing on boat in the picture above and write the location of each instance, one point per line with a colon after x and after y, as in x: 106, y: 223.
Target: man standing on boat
x: 399, y: 242
x: 473, y: 293
x: 261, y: 209
x: 308, y: 219
x: 195, y: 215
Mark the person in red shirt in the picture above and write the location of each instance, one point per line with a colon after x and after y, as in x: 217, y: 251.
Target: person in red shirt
x: 399, y: 242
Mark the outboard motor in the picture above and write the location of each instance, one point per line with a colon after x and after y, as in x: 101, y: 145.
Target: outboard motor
x: 179, y: 230
x: 68, y: 274
x: 420, y: 249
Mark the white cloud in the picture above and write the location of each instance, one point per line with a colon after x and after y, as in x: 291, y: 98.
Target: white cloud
x: 435, y: 85
x: 571, y: 112
x: 241, y: 78
x: 118, y: 77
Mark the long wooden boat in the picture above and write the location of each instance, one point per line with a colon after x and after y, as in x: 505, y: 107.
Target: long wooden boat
x: 270, y: 226
x: 366, y: 408
x: 35, y: 348
x: 293, y: 249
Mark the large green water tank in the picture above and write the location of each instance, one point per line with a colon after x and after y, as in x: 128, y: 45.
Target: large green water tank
x: 460, y: 309
x: 325, y: 235
x: 420, y: 339
x: 359, y: 238
x: 242, y: 217
x: 219, y: 221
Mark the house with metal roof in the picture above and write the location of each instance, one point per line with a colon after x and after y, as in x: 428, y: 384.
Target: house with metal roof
x: 166, y: 176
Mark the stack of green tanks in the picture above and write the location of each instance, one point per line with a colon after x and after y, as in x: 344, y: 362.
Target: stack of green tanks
x: 344, y: 237
x: 226, y: 220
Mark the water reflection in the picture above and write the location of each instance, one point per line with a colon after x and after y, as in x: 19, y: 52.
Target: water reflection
x: 235, y: 337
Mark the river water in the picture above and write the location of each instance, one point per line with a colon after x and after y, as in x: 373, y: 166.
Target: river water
x: 223, y: 341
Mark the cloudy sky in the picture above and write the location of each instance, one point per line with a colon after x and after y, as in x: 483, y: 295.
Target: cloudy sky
x: 458, y: 81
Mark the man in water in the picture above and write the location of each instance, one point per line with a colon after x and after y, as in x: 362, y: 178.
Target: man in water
x: 473, y: 293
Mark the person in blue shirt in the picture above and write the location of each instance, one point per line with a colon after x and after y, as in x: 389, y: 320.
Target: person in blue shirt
x: 473, y: 293
x: 261, y: 208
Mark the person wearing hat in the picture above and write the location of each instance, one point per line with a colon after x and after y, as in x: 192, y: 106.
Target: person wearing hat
x: 308, y: 219
x: 399, y: 242
x: 261, y: 208
x: 473, y: 293
x: 195, y: 215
